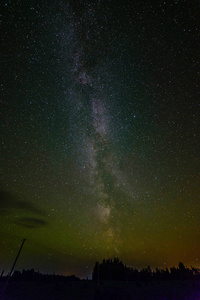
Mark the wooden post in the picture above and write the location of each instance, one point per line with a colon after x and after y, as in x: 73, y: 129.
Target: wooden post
x: 9, y: 275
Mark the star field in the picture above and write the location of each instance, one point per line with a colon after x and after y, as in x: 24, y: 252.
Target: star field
x: 99, y: 134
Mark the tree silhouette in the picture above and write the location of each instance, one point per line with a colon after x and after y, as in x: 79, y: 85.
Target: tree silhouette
x: 114, y: 269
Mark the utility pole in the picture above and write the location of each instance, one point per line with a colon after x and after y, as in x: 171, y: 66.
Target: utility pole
x: 9, y: 275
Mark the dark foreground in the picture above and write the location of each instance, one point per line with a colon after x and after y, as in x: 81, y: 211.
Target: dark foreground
x: 86, y: 289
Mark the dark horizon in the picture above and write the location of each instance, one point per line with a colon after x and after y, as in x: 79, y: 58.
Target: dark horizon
x: 191, y: 272
x: 111, y: 279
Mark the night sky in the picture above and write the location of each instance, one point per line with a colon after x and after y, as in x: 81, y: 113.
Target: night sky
x: 100, y: 128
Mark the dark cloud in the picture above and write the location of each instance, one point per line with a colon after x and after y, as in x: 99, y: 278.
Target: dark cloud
x: 9, y: 202
x: 31, y: 223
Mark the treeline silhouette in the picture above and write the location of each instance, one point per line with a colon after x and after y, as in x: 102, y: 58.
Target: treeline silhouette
x: 114, y: 269
x: 32, y: 275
